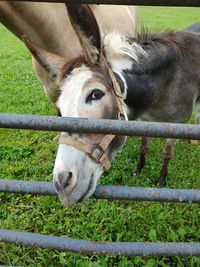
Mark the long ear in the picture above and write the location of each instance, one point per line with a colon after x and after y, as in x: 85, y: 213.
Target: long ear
x: 86, y: 27
x: 52, y: 63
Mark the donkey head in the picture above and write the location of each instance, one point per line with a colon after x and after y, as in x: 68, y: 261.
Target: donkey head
x: 87, y: 90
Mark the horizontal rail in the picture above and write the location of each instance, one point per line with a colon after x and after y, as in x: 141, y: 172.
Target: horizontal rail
x: 107, y: 192
x: 192, y: 3
x: 91, y: 247
x: 117, y: 127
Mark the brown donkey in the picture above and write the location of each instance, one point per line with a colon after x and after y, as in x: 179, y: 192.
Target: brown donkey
x: 48, y: 26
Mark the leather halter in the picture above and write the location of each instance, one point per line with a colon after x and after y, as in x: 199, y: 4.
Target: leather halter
x: 97, y: 152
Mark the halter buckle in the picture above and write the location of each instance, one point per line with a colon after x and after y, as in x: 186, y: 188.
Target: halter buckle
x: 96, y: 153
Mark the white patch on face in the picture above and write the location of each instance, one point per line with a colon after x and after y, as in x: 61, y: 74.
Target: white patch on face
x: 71, y: 91
x: 85, y: 174
x: 119, y: 52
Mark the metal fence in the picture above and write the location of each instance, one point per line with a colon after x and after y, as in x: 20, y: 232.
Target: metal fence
x: 130, y: 128
x: 50, y: 123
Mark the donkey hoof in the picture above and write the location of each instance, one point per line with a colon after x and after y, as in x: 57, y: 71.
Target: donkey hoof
x: 136, y: 171
x: 162, y: 181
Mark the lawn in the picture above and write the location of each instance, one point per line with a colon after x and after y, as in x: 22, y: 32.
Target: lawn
x: 29, y: 155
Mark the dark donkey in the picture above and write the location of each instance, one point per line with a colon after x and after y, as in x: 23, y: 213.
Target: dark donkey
x: 159, y: 80
x: 167, y: 85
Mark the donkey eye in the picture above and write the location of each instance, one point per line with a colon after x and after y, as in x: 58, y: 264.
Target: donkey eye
x: 96, y: 94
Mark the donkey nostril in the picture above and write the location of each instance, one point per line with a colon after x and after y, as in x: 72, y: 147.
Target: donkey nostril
x: 64, y: 180
x: 68, y: 180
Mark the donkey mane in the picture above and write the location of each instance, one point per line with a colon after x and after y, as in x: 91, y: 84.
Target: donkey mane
x: 117, y: 44
x: 168, y: 38
x: 150, y: 51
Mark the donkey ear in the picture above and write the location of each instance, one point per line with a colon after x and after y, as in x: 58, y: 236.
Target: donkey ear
x: 86, y: 27
x: 52, y: 63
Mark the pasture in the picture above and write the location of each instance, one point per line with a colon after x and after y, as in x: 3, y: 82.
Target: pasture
x: 30, y: 155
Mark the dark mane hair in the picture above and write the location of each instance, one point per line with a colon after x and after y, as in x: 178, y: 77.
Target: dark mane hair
x: 179, y: 41
x: 165, y: 47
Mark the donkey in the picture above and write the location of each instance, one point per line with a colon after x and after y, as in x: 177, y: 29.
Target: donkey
x: 48, y: 26
x: 157, y: 76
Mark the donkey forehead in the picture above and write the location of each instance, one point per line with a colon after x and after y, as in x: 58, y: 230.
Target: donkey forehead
x: 77, y: 83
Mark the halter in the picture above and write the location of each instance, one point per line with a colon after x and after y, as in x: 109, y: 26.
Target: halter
x: 97, y: 152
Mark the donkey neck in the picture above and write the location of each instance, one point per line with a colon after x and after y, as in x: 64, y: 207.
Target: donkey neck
x: 141, y: 66
x: 139, y: 91
x: 30, y: 19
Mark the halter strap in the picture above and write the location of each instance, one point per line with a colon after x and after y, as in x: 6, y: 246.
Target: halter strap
x: 118, y: 93
x: 97, y: 152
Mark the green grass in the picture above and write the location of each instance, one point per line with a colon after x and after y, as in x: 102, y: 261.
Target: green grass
x: 29, y: 155
x: 163, y: 18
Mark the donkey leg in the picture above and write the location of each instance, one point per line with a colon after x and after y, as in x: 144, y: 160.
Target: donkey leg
x: 197, y: 121
x: 168, y: 152
x: 144, y: 148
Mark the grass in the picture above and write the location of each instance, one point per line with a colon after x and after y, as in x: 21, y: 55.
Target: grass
x: 29, y: 155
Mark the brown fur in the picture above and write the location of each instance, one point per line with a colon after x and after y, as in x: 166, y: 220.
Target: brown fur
x: 47, y: 25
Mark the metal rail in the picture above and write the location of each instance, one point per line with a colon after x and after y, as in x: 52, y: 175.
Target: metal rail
x: 191, y: 3
x: 130, y: 128
x: 91, y: 247
x: 107, y: 192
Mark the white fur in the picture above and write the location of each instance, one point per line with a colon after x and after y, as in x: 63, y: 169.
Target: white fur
x: 72, y: 86
x: 69, y: 159
x: 125, y: 84
x: 119, y: 52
